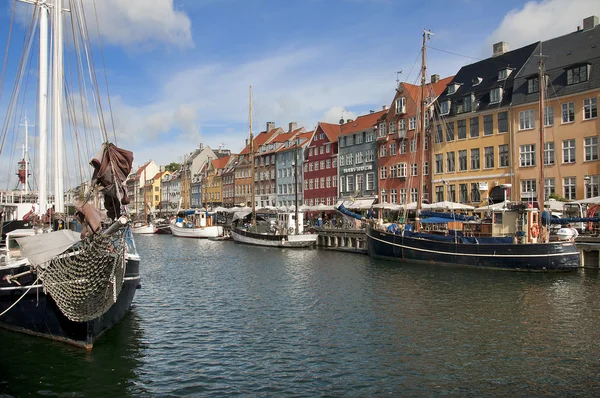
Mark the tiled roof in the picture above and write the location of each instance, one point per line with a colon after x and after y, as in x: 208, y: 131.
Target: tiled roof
x: 221, y: 162
x: 362, y: 122
x: 332, y: 131
x: 560, y: 53
x: 260, y: 139
x: 487, y: 71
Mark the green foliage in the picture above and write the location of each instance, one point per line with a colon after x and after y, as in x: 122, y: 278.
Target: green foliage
x: 558, y: 197
x: 172, y: 167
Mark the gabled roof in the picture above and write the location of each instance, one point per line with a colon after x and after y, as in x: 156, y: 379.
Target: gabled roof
x: 221, y: 162
x: 362, y: 122
x: 260, y: 139
x: 486, y: 72
x: 332, y: 131
x: 159, y: 175
x: 432, y: 90
x: 561, y: 53
x: 141, y: 169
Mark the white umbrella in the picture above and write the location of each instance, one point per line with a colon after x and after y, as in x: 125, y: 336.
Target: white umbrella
x: 389, y: 206
x: 410, y: 206
x: 555, y: 205
x: 304, y: 208
x: 323, y: 207
x: 219, y: 208
x: 446, y: 205
x: 591, y: 201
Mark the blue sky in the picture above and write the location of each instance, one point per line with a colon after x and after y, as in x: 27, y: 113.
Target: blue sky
x: 179, y: 70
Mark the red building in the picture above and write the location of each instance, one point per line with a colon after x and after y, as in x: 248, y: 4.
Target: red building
x: 399, y: 144
x: 320, y: 166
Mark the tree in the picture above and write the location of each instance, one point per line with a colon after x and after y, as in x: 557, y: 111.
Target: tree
x: 173, y: 167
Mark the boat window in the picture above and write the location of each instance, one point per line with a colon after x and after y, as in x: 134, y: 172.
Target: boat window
x: 498, y: 218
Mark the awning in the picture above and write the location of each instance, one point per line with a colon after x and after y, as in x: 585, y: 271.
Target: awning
x: 356, y: 204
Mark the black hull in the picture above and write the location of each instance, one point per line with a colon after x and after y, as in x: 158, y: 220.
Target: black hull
x: 37, y: 313
x: 542, y: 257
x: 163, y: 229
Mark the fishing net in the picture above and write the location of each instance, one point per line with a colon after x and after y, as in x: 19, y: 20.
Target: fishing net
x: 85, y: 281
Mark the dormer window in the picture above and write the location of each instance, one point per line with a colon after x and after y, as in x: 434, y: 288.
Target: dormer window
x: 476, y: 81
x: 401, y: 105
x: 533, y: 85
x: 452, y: 88
x: 495, y: 95
x: 445, y: 107
x: 503, y: 73
x: 467, y: 101
x: 578, y: 74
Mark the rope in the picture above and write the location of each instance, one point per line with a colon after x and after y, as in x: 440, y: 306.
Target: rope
x: 19, y: 299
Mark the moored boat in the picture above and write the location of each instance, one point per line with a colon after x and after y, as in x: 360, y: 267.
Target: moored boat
x: 195, y: 224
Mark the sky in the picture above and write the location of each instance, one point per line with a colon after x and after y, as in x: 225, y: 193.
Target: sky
x: 179, y: 71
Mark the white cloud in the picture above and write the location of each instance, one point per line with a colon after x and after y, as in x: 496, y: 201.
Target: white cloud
x: 334, y: 114
x: 129, y: 22
x: 542, y: 20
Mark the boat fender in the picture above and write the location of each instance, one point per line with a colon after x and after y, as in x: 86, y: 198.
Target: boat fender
x: 535, y: 231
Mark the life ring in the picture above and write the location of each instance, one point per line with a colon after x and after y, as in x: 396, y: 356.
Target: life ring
x: 535, y: 231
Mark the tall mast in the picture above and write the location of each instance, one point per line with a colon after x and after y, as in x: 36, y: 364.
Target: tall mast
x: 25, y: 153
x: 252, y: 164
x: 296, y: 184
x: 43, y: 107
x: 426, y: 34
x: 541, y: 185
x: 57, y: 95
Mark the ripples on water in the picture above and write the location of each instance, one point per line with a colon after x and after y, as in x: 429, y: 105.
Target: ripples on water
x: 219, y: 318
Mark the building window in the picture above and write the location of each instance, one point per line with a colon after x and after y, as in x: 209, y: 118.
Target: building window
x: 402, y: 168
x: 382, y: 132
x: 488, y: 124
x: 439, y: 134
x: 402, y: 147
x: 402, y: 126
x: 370, y: 137
x: 383, y: 150
x: 467, y: 104
x: 549, y: 116
x: 393, y: 196
x: 401, y: 105
x: 475, y: 194
x: 393, y: 171
x: 503, y: 73
x: 527, y: 155
x: 576, y: 75
x: 462, y: 129
x: 590, y: 108
x: 568, y: 112
x: 475, y: 159
x: 503, y: 155
x: 393, y: 148
x: 528, y: 190
x: 495, y: 95
x: 439, y: 163
x: 414, y: 170
x: 412, y: 123
x: 328, y: 162
x: 445, y: 107
x: 359, y: 183
x: 414, y: 194
x: 591, y: 186
x: 370, y: 181
x: 359, y: 139
x: 317, y: 165
x: 384, y: 196
x: 370, y: 155
x: 533, y: 85
x: 328, y: 148
x: 590, y: 145
x: 403, y: 192
x: 450, y: 162
x: 342, y: 163
x: 549, y: 187
x: 568, y: 151
x: 383, y: 173
x: 451, y: 193
x: 503, y: 122
x: 392, y: 127
x: 439, y: 193
x: 413, y: 145
x: 463, y: 194
x: 450, y: 131
x: 462, y: 160
x: 569, y: 188
x: 474, y: 124
x: 526, y: 120
x: 488, y: 153
x: 549, y: 153
x: 425, y: 168
x: 350, y: 184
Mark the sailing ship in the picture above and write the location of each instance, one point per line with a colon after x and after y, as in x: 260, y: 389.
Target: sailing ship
x: 196, y: 224
x: 288, y: 230
x: 54, y: 282
x: 526, y: 249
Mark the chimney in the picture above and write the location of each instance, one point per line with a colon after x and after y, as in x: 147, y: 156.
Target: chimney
x: 293, y: 126
x: 371, y: 111
x: 270, y: 126
x: 384, y: 107
x: 435, y: 79
x: 499, y: 48
x: 590, y: 22
x: 201, y: 146
x: 246, y: 141
x: 342, y: 121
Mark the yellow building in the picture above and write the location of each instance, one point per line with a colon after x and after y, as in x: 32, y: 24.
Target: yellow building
x: 153, y: 190
x: 472, y: 133
x: 571, y: 123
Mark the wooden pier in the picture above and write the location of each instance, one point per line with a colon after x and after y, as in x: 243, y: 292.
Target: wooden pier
x: 346, y: 240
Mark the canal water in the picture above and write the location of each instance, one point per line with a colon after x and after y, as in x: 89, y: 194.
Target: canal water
x: 220, y: 318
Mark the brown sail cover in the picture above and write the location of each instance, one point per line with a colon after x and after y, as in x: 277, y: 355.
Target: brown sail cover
x: 112, y: 165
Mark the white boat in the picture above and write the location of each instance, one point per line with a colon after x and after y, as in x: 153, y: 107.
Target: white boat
x: 281, y: 234
x: 196, y: 224
x: 147, y: 229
